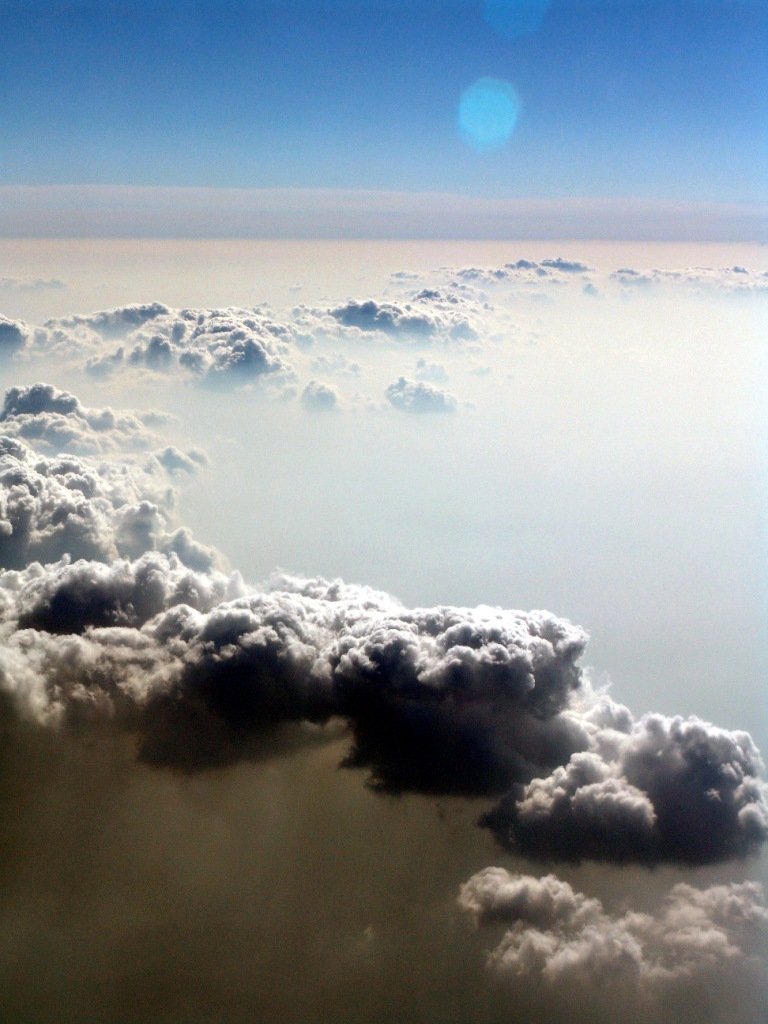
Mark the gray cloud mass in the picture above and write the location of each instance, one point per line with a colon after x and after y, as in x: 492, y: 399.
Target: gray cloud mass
x: 440, y: 700
x: 707, y: 939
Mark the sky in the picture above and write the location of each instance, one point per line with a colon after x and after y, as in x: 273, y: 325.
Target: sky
x: 383, y: 532
x: 633, y: 100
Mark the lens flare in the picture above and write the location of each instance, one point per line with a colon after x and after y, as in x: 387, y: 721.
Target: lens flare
x: 488, y: 112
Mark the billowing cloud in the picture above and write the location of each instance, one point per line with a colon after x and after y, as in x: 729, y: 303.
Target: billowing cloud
x: 567, y: 942
x: 13, y: 336
x: 425, y: 317
x: 419, y: 397
x: 52, y: 507
x: 436, y: 373
x: 220, y: 347
x: 57, y: 421
x: 441, y: 700
x: 666, y: 789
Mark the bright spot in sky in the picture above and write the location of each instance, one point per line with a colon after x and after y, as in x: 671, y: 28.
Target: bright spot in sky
x: 488, y: 112
x: 515, y: 17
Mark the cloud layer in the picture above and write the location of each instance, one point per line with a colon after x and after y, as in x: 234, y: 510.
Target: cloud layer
x: 702, y: 939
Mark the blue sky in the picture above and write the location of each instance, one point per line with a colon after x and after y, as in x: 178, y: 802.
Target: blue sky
x: 618, y: 98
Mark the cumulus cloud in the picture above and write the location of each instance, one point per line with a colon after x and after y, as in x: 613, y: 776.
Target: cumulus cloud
x: 661, y: 789
x: 13, y: 336
x: 319, y: 397
x: 64, y: 506
x: 428, y: 316
x: 419, y: 397
x: 440, y: 700
x: 57, y: 421
x: 220, y: 347
x: 565, y: 941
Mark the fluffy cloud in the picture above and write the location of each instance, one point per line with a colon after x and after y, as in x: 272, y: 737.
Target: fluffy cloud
x: 57, y: 421
x: 319, y: 397
x: 562, y: 940
x: 428, y: 316
x: 220, y: 347
x: 667, y: 789
x: 419, y: 396
x: 52, y: 507
x: 440, y: 700
x: 13, y: 336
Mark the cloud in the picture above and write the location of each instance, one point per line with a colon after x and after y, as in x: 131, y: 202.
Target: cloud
x: 13, y: 336
x: 434, y: 372
x: 57, y: 421
x: 438, y: 700
x: 480, y: 701
x: 219, y: 347
x: 526, y: 272
x: 729, y: 279
x: 335, y: 362
x: 419, y: 397
x: 709, y: 942
x: 427, y: 317
x: 319, y: 397
x: 64, y: 506
x: 666, y: 789
x: 26, y: 284
x: 473, y: 701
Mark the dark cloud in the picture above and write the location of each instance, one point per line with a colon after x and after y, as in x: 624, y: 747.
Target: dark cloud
x: 667, y: 789
x: 387, y: 317
x: 13, y: 336
x: 130, y: 621
x: 567, y: 942
x: 419, y: 397
x: 441, y: 700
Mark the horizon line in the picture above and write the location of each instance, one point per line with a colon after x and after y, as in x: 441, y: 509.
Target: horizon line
x: 169, y: 211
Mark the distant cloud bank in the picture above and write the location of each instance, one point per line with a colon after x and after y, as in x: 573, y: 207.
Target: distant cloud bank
x: 153, y: 211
